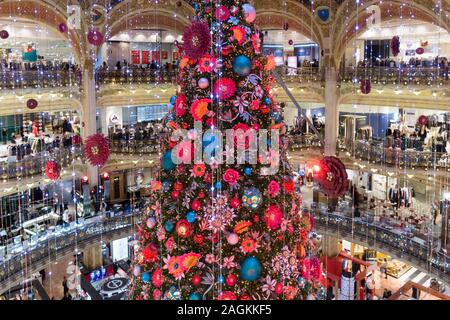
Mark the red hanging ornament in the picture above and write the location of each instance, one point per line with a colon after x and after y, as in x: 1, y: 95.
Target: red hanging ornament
x: 423, y: 120
x: 395, y: 46
x: 96, y: 149
x: 420, y: 51
x: 52, y: 170
x: 32, y: 104
x: 95, y: 37
x: 196, y: 280
x: 332, y: 177
x: 4, y: 34
x: 366, y: 86
x: 62, y: 27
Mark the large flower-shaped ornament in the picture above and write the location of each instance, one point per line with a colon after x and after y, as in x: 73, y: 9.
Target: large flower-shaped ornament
x: 196, y: 40
x: 52, y: 170
x: 96, y: 149
x: 332, y: 177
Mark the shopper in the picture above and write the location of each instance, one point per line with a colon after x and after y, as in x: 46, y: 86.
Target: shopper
x: 65, y: 287
x: 384, y: 268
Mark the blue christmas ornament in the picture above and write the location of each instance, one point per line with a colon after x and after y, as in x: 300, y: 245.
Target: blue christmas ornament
x: 218, y: 185
x: 173, y: 99
x: 167, y: 162
x: 166, y: 185
x: 221, y: 279
x: 242, y: 65
x: 190, y: 217
x: 252, y: 198
x: 301, y: 282
x: 250, y: 269
x: 146, y: 277
x: 248, y: 171
x: 195, y: 296
x: 168, y: 226
x: 267, y: 100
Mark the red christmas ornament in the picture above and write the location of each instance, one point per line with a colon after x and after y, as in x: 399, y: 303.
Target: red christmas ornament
x: 4, y: 34
x: 196, y: 204
x: 96, y: 149
x: 366, y: 86
x: 332, y: 177
x: 227, y: 295
x: 150, y: 253
x: 291, y: 42
x: 201, y: 195
x: 231, y: 280
x: 175, y: 194
x: 198, y: 239
x: 178, y: 186
x: 420, y: 51
x: 235, y: 203
x: 62, y: 27
x: 196, y: 280
x: 245, y: 297
x: 52, y: 170
x: 395, y: 46
x: 184, y: 229
x: 95, y: 37
x: 279, y: 288
x: 32, y: 104
x: 157, y: 278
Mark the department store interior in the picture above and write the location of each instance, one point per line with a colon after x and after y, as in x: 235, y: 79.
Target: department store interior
x: 369, y: 85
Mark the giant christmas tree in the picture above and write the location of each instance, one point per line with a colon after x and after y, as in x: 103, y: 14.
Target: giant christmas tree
x: 217, y: 230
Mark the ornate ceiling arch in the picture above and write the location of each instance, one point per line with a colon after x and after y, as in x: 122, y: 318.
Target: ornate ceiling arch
x: 272, y: 14
x: 44, y: 13
x: 166, y: 15
x: 351, y: 21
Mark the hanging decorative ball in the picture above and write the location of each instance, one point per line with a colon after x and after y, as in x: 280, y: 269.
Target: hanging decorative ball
x: 423, y: 120
x: 332, y: 177
x: 242, y: 65
x: 151, y: 222
x: 235, y: 203
x: 96, y: 149
x: 251, y: 198
x: 420, y: 51
x: 196, y: 280
x: 4, y: 34
x: 267, y: 101
x: 167, y: 162
x: 395, y: 46
x: 196, y: 204
x: 195, y: 296
x: 179, y: 3
x: 221, y: 279
x: 203, y: 83
x: 168, y: 226
x: 190, y: 217
x: 250, y: 269
x: 232, y: 238
x: 173, y: 99
x: 150, y: 253
x: 248, y: 171
x: 366, y: 86
x: 175, y: 194
x: 249, y: 12
x: 279, y: 288
x: 285, y: 26
x: 273, y: 216
x: 291, y: 42
x: 52, y: 170
x: 218, y: 185
x: 32, y: 104
x: 136, y: 271
x: 231, y: 280
x: 227, y: 295
x: 62, y: 27
x: 146, y: 277
x: 184, y: 229
x: 95, y: 37
x: 157, y: 278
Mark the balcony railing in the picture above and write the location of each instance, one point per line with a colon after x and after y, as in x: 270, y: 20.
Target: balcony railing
x: 409, y: 158
x: 407, y: 75
x: 375, y: 235
x: 136, y: 76
x: 11, y: 79
x: 379, y: 237
x: 34, y: 164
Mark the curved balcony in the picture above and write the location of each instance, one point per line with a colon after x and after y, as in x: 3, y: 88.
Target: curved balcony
x: 405, y: 76
x: 409, y: 158
x: 34, y: 164
x: 57, y: 244
x: 373, y: 235
x: 381, y: 237
x: 29, y: 79
x: 136, y: 76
